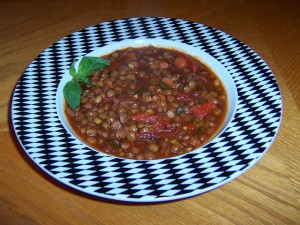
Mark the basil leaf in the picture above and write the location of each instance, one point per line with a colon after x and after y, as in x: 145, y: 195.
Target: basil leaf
x: 89, y: 65
x: 72, y: 69
x: 72, y: 91
x: 85, y: 80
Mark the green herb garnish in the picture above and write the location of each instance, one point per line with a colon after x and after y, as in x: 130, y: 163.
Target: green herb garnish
x: 163, y: 85
x: 180, y: 109
x: 115, y: 144
x: 87, y: 66
x: 200, y: 124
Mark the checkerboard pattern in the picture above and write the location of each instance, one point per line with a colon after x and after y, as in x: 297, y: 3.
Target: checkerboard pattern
x: 242, y: 144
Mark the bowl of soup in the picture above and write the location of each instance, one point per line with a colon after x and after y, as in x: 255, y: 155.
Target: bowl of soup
x: 157, y: 99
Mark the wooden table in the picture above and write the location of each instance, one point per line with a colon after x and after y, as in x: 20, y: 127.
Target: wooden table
x: 269, y: 193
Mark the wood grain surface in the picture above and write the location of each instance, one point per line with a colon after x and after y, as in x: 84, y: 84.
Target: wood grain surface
x: 268, y: 193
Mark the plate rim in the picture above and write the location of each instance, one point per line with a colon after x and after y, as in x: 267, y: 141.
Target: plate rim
x: 158, y: 199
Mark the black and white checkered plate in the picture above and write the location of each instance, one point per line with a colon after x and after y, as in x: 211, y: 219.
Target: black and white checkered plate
x: 240, y: 146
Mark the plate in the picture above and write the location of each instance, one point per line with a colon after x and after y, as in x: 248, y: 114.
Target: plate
x: 54, y: 149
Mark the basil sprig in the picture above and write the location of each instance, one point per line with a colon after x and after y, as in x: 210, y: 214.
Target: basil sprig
x: 87, y: 66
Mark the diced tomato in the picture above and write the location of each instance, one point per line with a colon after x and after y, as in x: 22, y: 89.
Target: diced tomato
x: 160, y: 126
x: 191, y: 126
x: 138, y: 143
x: 132, y: 56
x: 158, y: 132
x: 114, y: 65
x: 169, y: 133
x: 144, y: 118
x: 184, y: 97
x: 180, y: 62
x: 162, y: 97
x: 163, y: 65
x: 203, y: 109
x: 147, y: 135
x: 193, y: 65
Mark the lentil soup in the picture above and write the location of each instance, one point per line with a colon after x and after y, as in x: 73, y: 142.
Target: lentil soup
x: 150, y: 103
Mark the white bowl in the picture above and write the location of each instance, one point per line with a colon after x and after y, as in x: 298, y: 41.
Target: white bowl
x: 204, y: 57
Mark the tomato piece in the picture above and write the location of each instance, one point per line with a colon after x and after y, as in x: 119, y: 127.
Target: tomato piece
x: 203, y: 109
x: 184, y: 97
x: 164, y: 121
x: 180, y: 62
x: 161, y: 128
x: 162, y: 97
x: 191, y: 126
x: 147, y: 135
x: 132, y: 56
x: 193, y: 65
x: 163, y: 65
x: 114, y: 65
x: 158, y: 133
x: 169, y: 133
x: 144, y: 118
